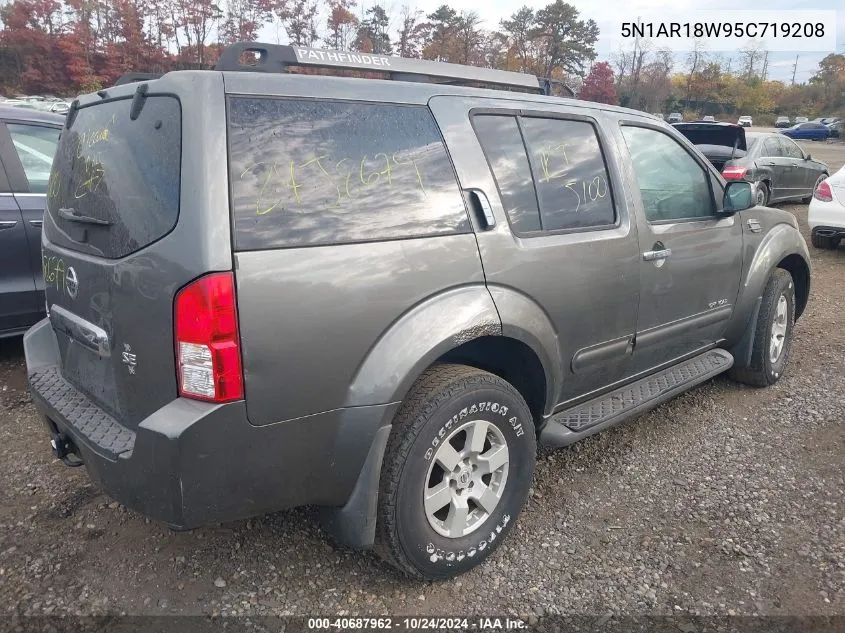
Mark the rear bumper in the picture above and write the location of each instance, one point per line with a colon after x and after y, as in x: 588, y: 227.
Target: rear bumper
x: 829, y: 231
x: 193, y: 463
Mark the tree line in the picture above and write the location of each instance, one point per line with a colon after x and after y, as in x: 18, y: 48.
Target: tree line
x: 717, y: 84
x: 65, y: 47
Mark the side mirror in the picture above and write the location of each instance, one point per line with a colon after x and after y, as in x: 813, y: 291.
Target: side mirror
x: 808, y: 157
x: 739, y: 196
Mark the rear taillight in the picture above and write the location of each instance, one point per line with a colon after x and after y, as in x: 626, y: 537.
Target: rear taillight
x: 208, y: 355
x: 734, y: 173
x: 823, y: 192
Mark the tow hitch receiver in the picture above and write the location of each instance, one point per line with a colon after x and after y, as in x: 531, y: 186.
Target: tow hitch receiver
x: 63, y: 448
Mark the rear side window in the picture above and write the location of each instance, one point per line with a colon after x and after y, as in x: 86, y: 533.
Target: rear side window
x: 502, y: 143
x: 551, y: 173
x: 790, y: 149
x: 35, y: 146
x: 571, y: 177
x: 114, y: 187
x: 308, y: 172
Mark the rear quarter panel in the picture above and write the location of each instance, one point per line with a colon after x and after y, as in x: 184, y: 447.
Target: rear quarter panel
x: 332, y: 326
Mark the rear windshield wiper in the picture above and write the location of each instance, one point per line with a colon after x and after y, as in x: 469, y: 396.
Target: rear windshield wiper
x: 71, y: 216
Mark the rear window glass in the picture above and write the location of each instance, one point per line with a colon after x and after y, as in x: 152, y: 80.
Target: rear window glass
x: 114, y: 187
x: 307, y: 172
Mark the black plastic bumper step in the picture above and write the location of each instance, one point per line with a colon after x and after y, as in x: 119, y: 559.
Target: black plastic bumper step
x: 78, y: 413
x: 606, y: 410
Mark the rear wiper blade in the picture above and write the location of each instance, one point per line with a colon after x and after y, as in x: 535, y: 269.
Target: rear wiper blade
x: 71, y: 216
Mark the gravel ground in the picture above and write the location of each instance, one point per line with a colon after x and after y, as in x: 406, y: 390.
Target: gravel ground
x: 727, y: 500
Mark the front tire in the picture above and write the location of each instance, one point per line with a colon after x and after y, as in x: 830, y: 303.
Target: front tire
x: 773, y: 333
x: 456, y: 472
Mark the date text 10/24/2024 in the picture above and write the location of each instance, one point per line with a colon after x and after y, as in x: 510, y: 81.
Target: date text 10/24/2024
x: 422, y: 623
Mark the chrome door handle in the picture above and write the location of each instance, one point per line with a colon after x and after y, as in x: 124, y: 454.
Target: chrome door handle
x: 8, y: 224
x: 36, y: 223
x: 651, y: 256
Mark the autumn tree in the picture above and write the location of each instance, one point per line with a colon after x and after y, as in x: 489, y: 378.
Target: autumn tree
x: 598, y: 84
x: 566, y: 44
x: 441, y: 27
x: 341, y: 25
x: 374, y: 32
x: 468, y: 38
x: 831, y: 78
x: 411, y: 37
x: 519, y: 32
x: 244, y: 19
x: 299, y: 19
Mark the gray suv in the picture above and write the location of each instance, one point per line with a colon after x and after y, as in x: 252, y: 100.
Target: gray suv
x: 269, y: 289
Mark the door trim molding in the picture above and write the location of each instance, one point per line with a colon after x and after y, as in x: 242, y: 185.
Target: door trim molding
x: 589, y: 357
x: 658, y: 334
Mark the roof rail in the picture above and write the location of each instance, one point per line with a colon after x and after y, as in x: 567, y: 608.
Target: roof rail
x: 274, y: 58
x: 130, y: 78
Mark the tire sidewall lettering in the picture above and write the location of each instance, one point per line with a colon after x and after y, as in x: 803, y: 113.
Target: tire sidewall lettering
x: 500, y: 410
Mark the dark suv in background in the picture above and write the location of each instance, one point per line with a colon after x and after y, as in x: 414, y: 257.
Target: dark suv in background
x: 270, y: 289
x: 28, y: 140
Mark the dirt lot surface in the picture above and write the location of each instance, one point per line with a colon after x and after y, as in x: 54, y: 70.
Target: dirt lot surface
x: 727, y: 500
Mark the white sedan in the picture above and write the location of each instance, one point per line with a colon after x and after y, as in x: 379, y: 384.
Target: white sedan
x: 826, y: 215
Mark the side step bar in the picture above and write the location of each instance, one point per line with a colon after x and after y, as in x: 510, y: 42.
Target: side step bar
x: 609, y: 409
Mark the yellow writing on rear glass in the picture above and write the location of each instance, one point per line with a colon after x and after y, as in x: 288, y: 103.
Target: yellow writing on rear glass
x: 295, y: 182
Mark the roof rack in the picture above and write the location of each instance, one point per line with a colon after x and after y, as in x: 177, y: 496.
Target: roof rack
x: 130, y: 78
x: 274, y: 58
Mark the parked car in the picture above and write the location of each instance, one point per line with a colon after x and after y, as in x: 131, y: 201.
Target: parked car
x: 835, y: 129
x: 777, y: 166
x: 659, y: 115
x: 28, y: 140
x: 675, y: 117
x: 800, y: 119
x: 782, y: 121
x: 807, y: 131
x: 826, y: 215
x: 709, y: 118
x: 745, y: 121
x: 378, y: 296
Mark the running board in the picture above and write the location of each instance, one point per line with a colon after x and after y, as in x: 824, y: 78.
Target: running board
x: 609, y: 409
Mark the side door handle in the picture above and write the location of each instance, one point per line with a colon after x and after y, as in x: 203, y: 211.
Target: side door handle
x: 653, y: 256
x: 36, y: 223
x: 8, y: 224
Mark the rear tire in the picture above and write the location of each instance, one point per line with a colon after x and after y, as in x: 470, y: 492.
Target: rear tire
x: 827, y: 243
x: 810, y: 197
x: 773, y: 333
x: 446, y: 500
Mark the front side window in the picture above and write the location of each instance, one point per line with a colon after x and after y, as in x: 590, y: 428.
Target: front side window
x: 673, y: 186
x: 311, y: 172
x: 35, y: 146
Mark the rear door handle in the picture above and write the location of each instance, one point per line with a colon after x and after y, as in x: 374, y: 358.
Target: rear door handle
x: 483, y: 211
x: 8, y: 224
x: 36, y: 223
x: 652, y: 256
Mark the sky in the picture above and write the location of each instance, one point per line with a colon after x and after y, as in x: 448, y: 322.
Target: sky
x: 605, y: 12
